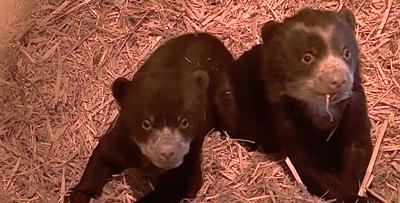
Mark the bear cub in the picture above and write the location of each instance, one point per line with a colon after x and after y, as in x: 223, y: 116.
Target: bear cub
x: 300, y: 93
x: 166, y: 110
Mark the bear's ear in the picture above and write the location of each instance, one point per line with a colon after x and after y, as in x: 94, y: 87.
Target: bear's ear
x: 120, y: 88
x: 348, y: 16
x: 268, y: 29
x: 201, y: 78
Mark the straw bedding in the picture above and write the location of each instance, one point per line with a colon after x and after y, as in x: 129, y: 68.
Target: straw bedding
x: 55, y: 99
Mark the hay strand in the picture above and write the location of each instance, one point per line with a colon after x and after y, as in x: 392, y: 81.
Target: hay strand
x: 367, y: 176
x: 55, y: 98
x: 293, y: 171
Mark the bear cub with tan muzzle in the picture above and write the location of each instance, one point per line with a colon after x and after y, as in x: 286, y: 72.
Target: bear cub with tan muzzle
x: 166, y: 110
x: 300, y: 93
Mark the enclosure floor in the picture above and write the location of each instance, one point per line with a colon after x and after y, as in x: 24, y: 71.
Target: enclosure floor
x: 55, y: 98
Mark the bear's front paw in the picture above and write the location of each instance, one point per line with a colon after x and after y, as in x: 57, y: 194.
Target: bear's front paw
x: 76, y: 196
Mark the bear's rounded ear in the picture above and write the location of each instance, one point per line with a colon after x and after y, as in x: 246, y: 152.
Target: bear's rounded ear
x: 348, y: 16
x: 268, y: 29
x: 201, y: 78
x: 120, y: 88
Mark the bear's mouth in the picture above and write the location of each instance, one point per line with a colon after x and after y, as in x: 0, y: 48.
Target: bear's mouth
x: 167, y: 164
x: 333, y: 97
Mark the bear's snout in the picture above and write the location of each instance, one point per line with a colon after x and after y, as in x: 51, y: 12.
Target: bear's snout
x: 336, y: 79
x: 334, y: 75
x: 167, y: 151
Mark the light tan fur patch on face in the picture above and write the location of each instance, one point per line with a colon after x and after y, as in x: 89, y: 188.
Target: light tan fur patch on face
x: 331, y: 61
x: 301, y: 89
x: 322, y: 80
x: 327, y: 68
x: 316, y: 86
x: 333, y: 67
x: 326, y: 33
x: 169, y: 138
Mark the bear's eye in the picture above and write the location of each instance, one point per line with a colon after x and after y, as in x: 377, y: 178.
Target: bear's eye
x: 184, y: 123
x: 346, y: 54
x: 307, y: 58
x: 146, y: 124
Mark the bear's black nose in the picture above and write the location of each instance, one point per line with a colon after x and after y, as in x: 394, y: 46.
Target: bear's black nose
x: 335, y: 79
x: 167, y: 154
x: 167, y: 151
x: 337, y: 82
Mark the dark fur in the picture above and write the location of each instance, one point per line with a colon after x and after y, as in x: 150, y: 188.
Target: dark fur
x: 270, y: 115
x: 167, y: 86
x: 251, y: 123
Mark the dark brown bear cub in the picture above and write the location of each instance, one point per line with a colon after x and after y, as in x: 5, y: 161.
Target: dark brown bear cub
x: 317, y: 105
x: 166, y: 110
x: 306, y: 97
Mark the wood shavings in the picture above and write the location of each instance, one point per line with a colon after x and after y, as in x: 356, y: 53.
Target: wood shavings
x: 53, y: 86
x: 374, y: 155
x: 293, y: 170
x: 332, y: 132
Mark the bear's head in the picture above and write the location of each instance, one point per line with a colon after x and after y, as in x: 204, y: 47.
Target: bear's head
x: 164, y: 112
x: 311, y: 56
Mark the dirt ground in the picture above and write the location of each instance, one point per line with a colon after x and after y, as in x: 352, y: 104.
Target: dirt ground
x: 55, y: 98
